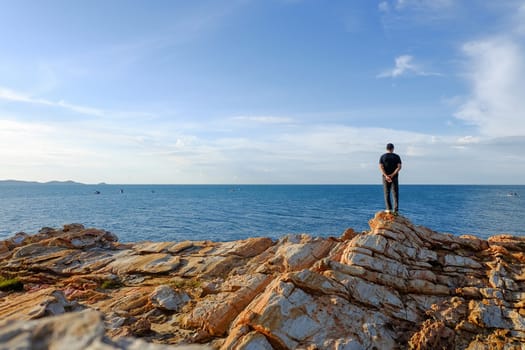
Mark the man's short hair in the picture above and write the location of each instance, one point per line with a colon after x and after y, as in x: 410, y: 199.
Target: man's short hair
x: 390, y: 146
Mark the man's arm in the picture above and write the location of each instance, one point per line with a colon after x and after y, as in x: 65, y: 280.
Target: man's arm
x: 387, y: 177
x: 382, y: 169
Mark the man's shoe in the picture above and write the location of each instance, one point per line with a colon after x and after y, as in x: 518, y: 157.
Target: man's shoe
x: 388, y: 211
x: 396, y: 213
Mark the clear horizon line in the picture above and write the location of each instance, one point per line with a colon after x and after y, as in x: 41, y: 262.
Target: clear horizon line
x: 73, y: 182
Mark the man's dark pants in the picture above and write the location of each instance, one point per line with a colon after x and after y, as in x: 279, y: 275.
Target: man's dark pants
x: 394, y: 188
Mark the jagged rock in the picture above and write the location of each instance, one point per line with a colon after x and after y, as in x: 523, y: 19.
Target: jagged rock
x: 433, y: 335
x: 396, y: 286
x: 215, y: 313
x: 36, y: 304
x: 73, y: 331
x: 165, y: 298
x: 129, y: 263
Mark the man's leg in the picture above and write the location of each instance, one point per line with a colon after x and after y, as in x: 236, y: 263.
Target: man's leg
x: 395, y: 190
x: 386, y: 189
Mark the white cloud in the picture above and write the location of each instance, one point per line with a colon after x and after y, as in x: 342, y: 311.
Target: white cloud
x: 520, y: 20
x: 384, y: 6
x: 264, y: 119
x: 466, y: 140
x: 12, y: 127
x: 26, y: 148
x: 401, y: 3
x: 402, y: 65
x: 400, y: 13
x: 15, y: 96
x: 320, y: 153
x: 496, y: 74
x: 424, y: 4
x: 405, y: 65
x: 79, y: 109
x: 93, y: 153
x: 414, y: 151
x: 10, y: 95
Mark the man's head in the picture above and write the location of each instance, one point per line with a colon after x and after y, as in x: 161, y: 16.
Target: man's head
x: 390, y: 147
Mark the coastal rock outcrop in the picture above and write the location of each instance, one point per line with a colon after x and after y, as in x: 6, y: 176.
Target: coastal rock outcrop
x: 396, y: 286
x: 80, y: 330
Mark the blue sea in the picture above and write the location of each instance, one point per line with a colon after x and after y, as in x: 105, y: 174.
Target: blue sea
x: 232, y: 212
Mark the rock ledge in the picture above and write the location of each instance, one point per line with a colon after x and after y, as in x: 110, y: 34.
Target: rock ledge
x: 396, y: 286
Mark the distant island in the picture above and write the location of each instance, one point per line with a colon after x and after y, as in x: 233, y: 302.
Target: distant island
x: 19, y: 182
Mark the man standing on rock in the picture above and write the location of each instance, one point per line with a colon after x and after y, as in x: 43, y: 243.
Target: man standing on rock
x: 390, y: 166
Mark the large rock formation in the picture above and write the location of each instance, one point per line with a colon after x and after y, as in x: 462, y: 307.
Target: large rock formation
x: 397, y: 286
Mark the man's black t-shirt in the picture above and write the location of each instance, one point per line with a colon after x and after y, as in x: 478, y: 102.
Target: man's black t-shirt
x: 390, y: 162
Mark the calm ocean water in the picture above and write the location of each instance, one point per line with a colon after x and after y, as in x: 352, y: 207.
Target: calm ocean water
x: 231, y: 212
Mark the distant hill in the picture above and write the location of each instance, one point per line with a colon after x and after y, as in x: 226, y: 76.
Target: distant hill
x: 69, y: 182
x: 18, y: 182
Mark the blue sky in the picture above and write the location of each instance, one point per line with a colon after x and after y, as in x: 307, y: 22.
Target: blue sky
x: 262, y: 91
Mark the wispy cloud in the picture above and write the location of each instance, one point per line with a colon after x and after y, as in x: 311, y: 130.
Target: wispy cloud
x: 264, y: 119
x: 397, y: 13
x: 404, y: 65
x: 423, y: 4
x: 467, y: 140
x: 10, y: 95
x: 15, y: 96
x: 384, y: 6
x: 418, y: 5
x: 312, y: 153
x: 256, y: 146
x: 519, y: 19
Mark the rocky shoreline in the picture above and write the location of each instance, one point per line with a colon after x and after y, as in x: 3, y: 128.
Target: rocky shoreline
x: 396, y: 286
